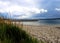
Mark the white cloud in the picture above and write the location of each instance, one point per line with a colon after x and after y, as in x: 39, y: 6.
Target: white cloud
x: 25, y: 11
x: 57, y: 9
x: 4, y: 3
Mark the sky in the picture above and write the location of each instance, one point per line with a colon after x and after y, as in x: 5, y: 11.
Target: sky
x: 29, y: 9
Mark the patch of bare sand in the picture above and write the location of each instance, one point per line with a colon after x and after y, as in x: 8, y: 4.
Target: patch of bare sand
x: 44, y: 32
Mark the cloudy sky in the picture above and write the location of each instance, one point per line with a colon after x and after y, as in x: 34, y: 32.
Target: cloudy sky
x: 29, y: 9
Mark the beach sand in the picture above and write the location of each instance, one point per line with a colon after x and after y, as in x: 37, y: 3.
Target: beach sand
x: 44, y: 32
x: 47, y: 33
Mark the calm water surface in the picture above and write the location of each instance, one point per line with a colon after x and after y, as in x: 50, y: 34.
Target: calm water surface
x: 43, y: 22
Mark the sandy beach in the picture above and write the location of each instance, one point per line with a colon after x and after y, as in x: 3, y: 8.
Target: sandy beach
x: 47, y: 33
x: 44, y: 32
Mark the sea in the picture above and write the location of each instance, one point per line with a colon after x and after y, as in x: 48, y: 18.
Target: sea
x: 42, y: 22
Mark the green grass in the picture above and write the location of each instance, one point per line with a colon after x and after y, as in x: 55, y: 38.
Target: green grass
x: 13, y: 34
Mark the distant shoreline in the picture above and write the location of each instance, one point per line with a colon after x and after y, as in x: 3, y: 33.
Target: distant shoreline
x: 33, y: 19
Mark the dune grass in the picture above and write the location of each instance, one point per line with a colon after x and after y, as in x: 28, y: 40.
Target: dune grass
x: 13, y: 34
